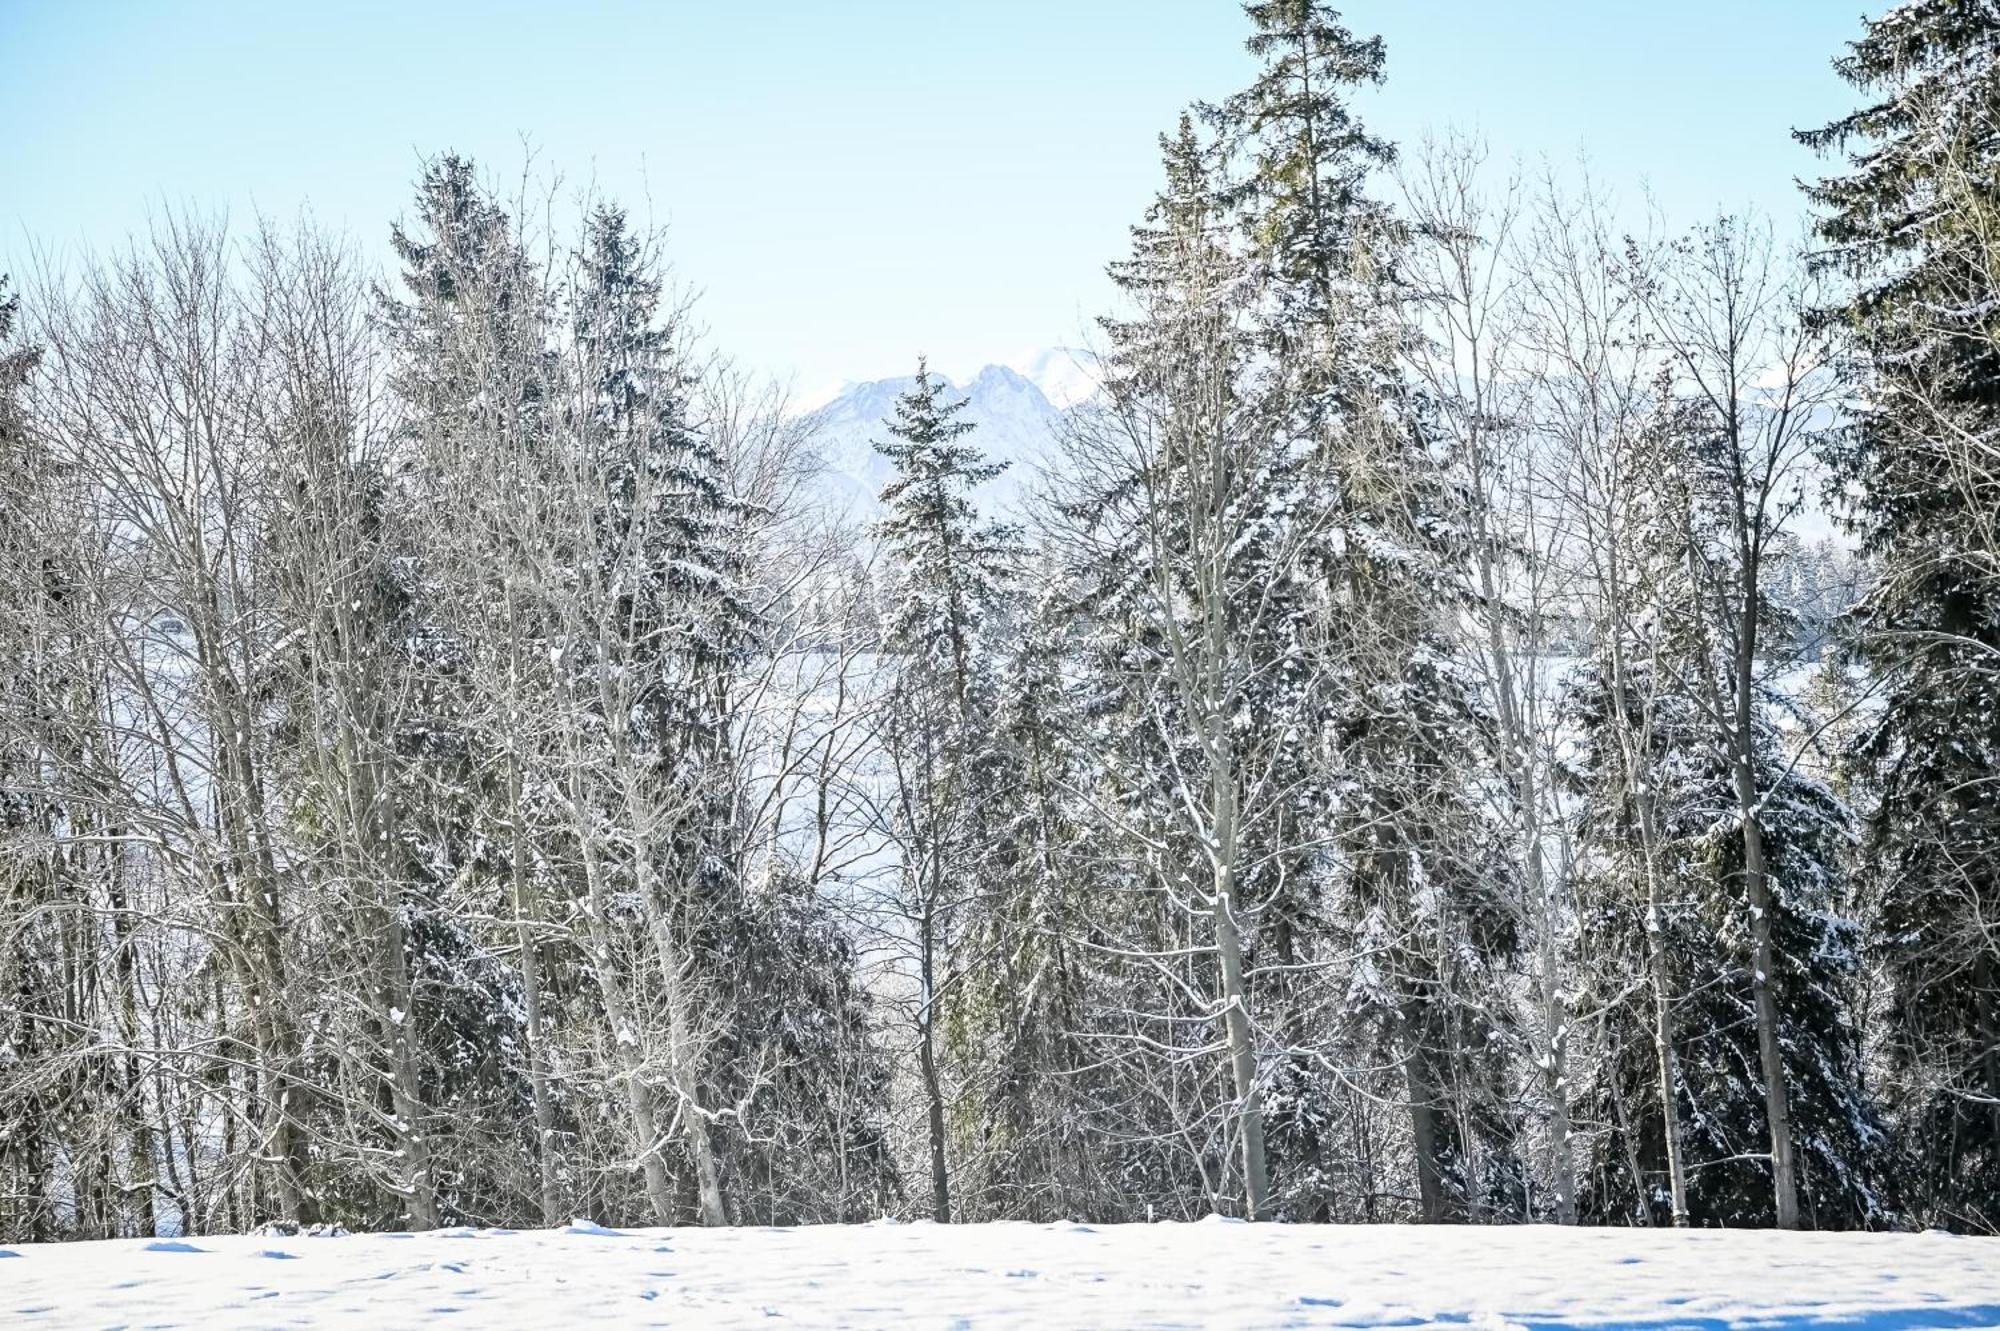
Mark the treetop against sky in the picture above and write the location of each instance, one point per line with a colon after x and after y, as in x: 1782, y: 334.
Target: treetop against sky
x: 849, y: 184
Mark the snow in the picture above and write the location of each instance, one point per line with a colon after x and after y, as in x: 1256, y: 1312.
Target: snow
x: 1205, y: 1274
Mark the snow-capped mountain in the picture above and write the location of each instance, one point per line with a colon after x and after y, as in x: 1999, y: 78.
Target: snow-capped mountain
x: 1016, y: 409
x: 1067, y: 376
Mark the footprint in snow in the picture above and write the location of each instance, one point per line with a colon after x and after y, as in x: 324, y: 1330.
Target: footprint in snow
x: 278, y: 1255
x: 171, y: 1245
x: 7, y: 1252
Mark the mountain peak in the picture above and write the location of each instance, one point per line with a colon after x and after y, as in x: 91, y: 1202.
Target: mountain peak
x: 992, y: 376
x: 1066, y: 375
x: 1014, y: 418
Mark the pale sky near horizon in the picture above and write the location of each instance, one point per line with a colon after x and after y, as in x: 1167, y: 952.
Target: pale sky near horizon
x: 848, y: 184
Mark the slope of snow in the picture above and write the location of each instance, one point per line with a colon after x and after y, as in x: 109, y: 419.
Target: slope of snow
x: 1207, y: 1274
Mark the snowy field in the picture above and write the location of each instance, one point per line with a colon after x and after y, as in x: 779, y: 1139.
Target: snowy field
x: 1211, y: 1274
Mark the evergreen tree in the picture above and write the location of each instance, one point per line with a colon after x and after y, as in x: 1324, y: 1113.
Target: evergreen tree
x: 471, y: 372
x: 1907, y: 222
x: 1405, y: 735
x: 952, y: 569
x: 1701, y: 929
x: 1696, y: 917
x: 32, y: 960
x: 951, y: 575
x: 1303, y: 196
x: 790, y: 1038
x: 1186, y: 559
x: 815, y: 1145
x: 1017, y: 1018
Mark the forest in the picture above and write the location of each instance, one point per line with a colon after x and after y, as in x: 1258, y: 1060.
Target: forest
x: 1489, y: 714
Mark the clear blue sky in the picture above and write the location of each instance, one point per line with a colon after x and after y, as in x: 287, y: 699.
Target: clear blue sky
x: 848, y: 181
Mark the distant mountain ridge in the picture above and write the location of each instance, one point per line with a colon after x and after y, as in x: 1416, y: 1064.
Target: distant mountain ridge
x: 1016, y: 410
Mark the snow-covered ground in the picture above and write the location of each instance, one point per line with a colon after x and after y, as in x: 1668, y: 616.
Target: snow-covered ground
x: 1209, y: 1274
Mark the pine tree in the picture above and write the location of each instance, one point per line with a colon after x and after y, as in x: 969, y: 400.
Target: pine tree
x: 1908, y: 224
x: 1184, y: 557
x: 32, y: 960
x: 667, y: 535
x: 952, y: 568
x: 1422, y: 891
x: 816, y: 1142
x: 951, y: 577
x: 1303, y: 196
x: 1701, y: 929
x: 471, y: 371
x: 1017, y: 1018
x: 651, y: 641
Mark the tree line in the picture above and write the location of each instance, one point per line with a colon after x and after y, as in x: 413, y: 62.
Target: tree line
x: 1416, y: 756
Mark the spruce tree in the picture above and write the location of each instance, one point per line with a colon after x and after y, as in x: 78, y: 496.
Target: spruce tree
x: 470, y: 369
x: 1017, y: 1019
x: 1700, y: 928
x: 951, y: 572
x: 33, y: 960
x: 651, y: 645
x: 1197, y: 627
x: 1402, y: 726
x: 952, y: 568
x: 1304, y: 196
x: 1907, y: 223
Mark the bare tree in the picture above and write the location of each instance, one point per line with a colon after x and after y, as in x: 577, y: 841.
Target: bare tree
x: 153, y: 371
x: 1470, y: 359
x: 1584, y: 334
x: 1733, y: 324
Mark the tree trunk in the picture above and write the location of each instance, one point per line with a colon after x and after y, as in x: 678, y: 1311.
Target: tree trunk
x: 927, y: 1044
x: 1556, y: 1075
x: 531, y: 997
x: 141, y: 1161
x: 1661, y: 977
x: 1420, y: 1087
x: 1770, y: 1052
x: 694, y: 1114
x: 934, y: 1117
x: 526, y: 941
x: 405, y: 1086
x: 1639, y: 790
x: 641, y: 815
x: 624, y: 1036
x: 1757, y: 885
x: 1236, y: 997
